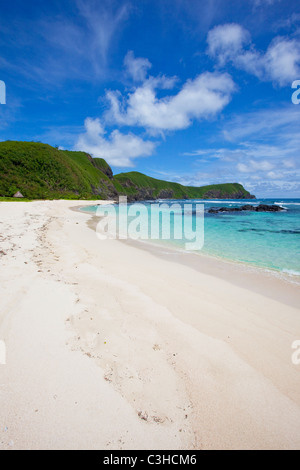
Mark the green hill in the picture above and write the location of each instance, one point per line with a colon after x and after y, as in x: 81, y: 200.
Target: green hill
x: 40, y: 171
x: 139, y: 186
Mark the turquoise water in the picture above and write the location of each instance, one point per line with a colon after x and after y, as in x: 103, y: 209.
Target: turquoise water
x: 267, y: 240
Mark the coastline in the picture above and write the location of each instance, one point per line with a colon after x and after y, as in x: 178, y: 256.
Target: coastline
x: 271, y: 283
x: 160, y: 354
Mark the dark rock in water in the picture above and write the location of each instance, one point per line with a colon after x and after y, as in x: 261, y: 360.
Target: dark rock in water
x: 247, y: 207
x: 224, y: 209
x: 266, y: 208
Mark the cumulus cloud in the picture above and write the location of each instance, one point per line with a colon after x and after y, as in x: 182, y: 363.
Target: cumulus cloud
x: 117, y: 148
x: 201, y: 98
x: 137, y: 68
x: 226, y: 41
x: 230, y: 43
x: 282, y: 60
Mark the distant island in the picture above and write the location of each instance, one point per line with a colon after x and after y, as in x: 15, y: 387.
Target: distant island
x: 39, y: 171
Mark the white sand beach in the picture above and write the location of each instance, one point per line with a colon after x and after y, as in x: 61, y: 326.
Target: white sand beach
x: 111, y: 346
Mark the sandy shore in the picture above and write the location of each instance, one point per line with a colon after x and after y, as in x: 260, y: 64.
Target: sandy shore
x: 113, y: 347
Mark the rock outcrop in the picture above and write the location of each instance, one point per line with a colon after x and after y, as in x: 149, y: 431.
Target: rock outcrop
x: 247, y: 207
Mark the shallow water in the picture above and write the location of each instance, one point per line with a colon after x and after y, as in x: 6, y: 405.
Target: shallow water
x: 267, y: 240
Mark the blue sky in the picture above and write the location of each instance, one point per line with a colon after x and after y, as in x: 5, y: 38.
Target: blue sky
x: 197, y: 92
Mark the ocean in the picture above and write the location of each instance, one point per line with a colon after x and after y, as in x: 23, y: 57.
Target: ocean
x: 260, y: 239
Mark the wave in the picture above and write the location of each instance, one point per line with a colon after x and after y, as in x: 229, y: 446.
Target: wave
x: 291, y: 272
x: 285, y: 231
x: 287, y: 203
x: 243, y: 202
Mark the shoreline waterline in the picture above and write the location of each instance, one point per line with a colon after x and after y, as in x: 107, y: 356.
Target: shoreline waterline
x: 270, y: 283
x: 258, y: 240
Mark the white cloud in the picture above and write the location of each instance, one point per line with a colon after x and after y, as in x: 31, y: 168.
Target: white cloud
x: 273, y: 175
x: 242, y: 167
x: 137, y: 68
x: 255, y: 165
x: 290, y: 163
x: 201, y: 98
x: 282, y: 60
x: 279, y: 64
x: 117, y: 148
x: 226, y: 41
